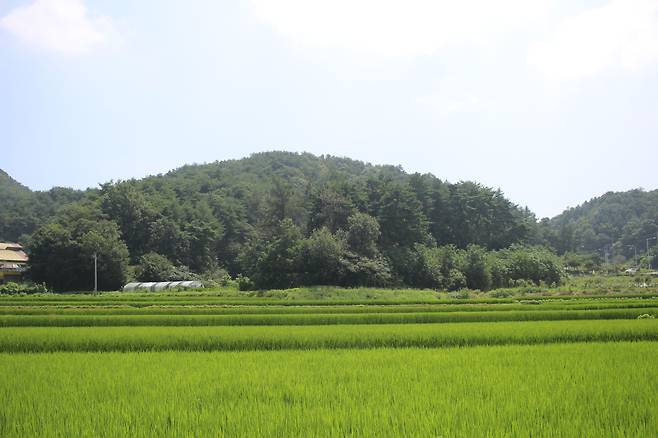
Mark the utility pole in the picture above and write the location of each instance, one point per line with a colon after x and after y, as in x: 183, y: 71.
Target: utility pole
x: 648, y: 240
x: 95, y: 273
x: 605, y: 253
x: 635, y: 254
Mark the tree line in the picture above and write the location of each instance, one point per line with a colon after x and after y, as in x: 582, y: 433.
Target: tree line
x: 619, y: 224
x: 282, y: 219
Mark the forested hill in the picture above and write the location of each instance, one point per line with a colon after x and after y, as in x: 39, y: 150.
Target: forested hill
x: 9, y: 184
x: 616, y: 221
x: 232, y: 196
x: 22, y: 210
x: 279, y: 218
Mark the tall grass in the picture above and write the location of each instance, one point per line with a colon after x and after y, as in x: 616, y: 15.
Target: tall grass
x: 575, y: 390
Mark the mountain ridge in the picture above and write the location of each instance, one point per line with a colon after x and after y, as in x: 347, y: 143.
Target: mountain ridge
x: 250, y: 180
x: 7, y: 179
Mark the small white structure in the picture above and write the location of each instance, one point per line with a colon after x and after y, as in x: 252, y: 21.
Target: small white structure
x: 163, y: 285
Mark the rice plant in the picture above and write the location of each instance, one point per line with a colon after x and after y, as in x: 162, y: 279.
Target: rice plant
x: 556, y: 390
x: 230, y: 338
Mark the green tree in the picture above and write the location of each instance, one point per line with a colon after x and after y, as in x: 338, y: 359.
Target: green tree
x: 439, y: 267
x: 61, y: 254
x: 536, y: 264
x: 330, y: 209
x: 367, y: 271
x: 484, y: 217
x: 476, y: 269
x: 155, y: 267
x: 323, y: 258
x: 128, y: 207
x: 363, y: 234
x: 401, y: 217
x: 272, y: 259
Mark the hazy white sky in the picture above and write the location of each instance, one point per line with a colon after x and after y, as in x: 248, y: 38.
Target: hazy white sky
x: 552, y: 101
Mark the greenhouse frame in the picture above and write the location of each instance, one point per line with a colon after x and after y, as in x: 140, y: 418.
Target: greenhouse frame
x: 162, y: 285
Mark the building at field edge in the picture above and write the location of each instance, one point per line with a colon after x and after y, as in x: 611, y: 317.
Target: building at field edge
x: 13, y: 262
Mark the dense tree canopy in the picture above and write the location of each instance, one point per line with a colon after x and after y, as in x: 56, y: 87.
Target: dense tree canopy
x: 616, y: 223
x: 61, y: 252
x: 285, y: 219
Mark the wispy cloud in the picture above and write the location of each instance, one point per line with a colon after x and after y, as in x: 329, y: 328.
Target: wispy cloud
x: 395, y: 27
x: 62, y: 26
x: 622, y: 35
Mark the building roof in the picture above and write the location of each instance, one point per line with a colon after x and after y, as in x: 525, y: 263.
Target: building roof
x: 10, y: 245
x: 12, y: 252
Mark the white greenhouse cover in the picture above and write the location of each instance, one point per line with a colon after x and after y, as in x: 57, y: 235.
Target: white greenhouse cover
x: 163, y: 285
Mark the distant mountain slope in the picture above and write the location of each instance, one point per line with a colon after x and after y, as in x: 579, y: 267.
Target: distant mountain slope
x: 615, y: 221
x: 16, y: 208
x: 238, y: 196
x: 235, y: 198
x: 22, y: 211
x: 9, y: 186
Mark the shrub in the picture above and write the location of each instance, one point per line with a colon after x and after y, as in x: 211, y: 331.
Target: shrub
x: 478, y: 274
x: 460, y: 294
x: 155, y: 267
x: 22, y: 288
x: 244, y: 282
x: 500, y: 293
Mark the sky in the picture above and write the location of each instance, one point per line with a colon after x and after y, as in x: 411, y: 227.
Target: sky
x: 552, y: 101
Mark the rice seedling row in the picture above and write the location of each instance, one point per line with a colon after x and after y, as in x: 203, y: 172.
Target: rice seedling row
x: 316, y: 319
x: 207, y: 299
x: 229, y: 338
x: 275, y: 309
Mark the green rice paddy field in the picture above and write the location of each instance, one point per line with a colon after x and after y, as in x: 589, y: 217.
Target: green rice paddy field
x: 139, y: 365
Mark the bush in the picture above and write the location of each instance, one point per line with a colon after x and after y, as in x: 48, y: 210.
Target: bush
x: 525, y: 265
x: 501, y: 293
x: 155, y: 267
x: 22, y: 288
x: 217, y: 277
x: 369, y: 272
x: 322, y: 258
x: 460, y: 294
x: 475, y: 268
x: 438, y: 267
x: 244, y: 283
